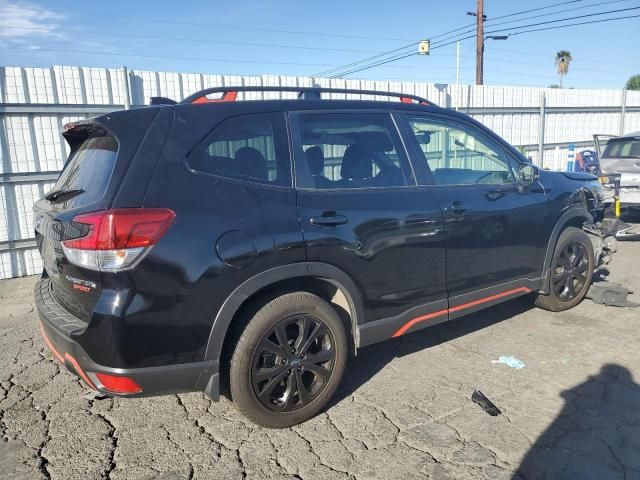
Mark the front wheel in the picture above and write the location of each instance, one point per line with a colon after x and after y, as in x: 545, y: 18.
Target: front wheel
x: 289, y: 360
x: 571, y: 271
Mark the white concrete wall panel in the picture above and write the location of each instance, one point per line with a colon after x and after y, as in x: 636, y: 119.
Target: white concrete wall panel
x: 31, y: 141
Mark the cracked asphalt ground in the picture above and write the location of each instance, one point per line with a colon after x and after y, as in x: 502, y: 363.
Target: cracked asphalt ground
x: 404, y: 410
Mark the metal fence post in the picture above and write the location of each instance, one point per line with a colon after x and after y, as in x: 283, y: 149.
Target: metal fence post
x: 543, y: 115
x: 623, y: 111
x: 127, y: 93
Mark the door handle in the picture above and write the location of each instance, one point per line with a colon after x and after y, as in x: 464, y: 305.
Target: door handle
x: 329, y: 219
x: 455, y: 208
x: 495, y: 194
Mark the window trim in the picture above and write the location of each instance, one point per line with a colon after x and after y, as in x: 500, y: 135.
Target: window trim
x: 281, y: 145
x: 493, y: 143
x: 297, y: 151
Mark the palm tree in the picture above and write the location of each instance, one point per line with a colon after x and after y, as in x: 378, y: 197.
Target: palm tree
x: 563, y: 59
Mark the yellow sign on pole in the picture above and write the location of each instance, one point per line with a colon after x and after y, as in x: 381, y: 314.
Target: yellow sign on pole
x: 423, y: 47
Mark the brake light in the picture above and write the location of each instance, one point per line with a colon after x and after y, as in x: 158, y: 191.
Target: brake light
x: 117, y: 238
x: 116, y: 384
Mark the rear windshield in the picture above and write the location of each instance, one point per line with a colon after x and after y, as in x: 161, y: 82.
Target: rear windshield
x: 628, y: 147
x: 89, y: 169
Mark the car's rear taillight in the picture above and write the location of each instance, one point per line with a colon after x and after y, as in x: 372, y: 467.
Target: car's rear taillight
x: 117, y: 238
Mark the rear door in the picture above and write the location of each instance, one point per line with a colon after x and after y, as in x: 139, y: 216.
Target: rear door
x: 362, y: 211
x: 496, y: 232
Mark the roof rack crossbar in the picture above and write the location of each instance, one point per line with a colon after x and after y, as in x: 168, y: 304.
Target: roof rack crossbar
x: 230, y: 93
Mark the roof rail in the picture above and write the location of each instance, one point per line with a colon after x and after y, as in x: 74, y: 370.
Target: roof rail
x: 304, y: 93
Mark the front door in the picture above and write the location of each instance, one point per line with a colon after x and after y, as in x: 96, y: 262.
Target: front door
x: 496, y: 231
x: 362, y: 211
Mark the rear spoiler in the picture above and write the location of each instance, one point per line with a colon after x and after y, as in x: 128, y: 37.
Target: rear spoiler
x: 75, y: 133
x: 162, y: 101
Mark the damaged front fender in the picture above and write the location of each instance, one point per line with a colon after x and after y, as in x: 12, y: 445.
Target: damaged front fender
x: 604, y: 244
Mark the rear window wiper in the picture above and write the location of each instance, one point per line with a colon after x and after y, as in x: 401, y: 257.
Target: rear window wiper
x: 60, y: 195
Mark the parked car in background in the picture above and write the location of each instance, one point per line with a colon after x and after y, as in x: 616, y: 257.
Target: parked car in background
x: 250, y: 247
x: 621, y: 155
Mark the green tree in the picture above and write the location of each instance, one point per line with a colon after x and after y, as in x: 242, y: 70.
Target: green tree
x: 563, y: 59
x: 633, y: 83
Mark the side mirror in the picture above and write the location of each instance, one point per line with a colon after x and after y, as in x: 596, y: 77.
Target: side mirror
x: 527, y: 174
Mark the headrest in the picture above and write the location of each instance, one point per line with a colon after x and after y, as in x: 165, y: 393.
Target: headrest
x: 357, y: 163
x: 315, y: 158
x: 251, y: 163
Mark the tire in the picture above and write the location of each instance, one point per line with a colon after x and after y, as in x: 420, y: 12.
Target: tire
x: 569, y: 283
x: 294, y: 339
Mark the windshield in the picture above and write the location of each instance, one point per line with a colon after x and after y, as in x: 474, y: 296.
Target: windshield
x: 622, y: 148
x: 89, y: 169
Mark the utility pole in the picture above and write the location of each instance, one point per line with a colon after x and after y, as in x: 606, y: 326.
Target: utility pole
x: 480, y: 43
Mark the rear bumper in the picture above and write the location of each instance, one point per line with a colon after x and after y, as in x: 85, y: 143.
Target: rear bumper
x: 58, y: 328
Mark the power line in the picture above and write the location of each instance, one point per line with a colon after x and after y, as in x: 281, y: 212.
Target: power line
x: 451, y: 31
x: 540, y: 23
x: 443, y: 42
x: 469, y: 30
x: 522, y: 13
x: 168, y: 57
x: 574, y: 24
x: 196, y: 40
x: 566, y: 19
x: 173, y: 57
x: 535, y: 9
x: 599, y: 4
x: 298, y: 64
x: 326, y: 72
x: 366, y: 67
x: 214, y: 25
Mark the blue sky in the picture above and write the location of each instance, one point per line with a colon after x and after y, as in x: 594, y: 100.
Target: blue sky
x: 304, y: 38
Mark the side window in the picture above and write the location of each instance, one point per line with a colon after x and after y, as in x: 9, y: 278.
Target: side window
x: 457, y: 156
x: 244, y: 148
x: 344, y: 150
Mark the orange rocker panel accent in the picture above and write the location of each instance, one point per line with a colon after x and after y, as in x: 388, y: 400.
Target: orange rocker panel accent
x: 464, y: 306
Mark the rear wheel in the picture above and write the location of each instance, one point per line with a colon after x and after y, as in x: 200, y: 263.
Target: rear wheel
x: 289, y: 360
x: 571, y: 271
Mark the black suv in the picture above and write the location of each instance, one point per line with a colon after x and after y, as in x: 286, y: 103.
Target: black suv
x: 250, y: 246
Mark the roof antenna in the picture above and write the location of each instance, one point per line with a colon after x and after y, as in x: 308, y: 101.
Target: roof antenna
x: 310, y: 94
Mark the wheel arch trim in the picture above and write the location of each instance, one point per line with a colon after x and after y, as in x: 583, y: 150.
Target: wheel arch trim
x: 249, y: 287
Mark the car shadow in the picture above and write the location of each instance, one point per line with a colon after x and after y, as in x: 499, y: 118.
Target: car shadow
x: 370, y: 360
x: 595, y: 436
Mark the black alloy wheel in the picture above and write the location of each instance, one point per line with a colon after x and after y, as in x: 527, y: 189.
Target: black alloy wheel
x: 570, y: 271
x: 293, y: 363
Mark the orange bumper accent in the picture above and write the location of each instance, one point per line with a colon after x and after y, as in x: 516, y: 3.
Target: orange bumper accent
x: 67, y: 357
